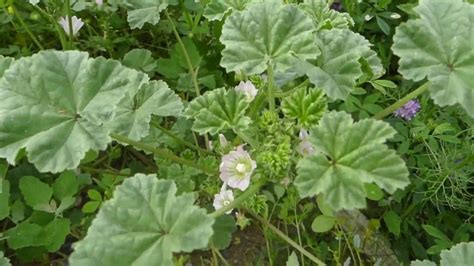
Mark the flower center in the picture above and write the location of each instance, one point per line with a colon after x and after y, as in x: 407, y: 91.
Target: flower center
x: 241, y: 168
x: 226, y: 202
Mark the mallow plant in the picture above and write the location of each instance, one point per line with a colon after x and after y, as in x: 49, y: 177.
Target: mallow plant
x: 279, y: 125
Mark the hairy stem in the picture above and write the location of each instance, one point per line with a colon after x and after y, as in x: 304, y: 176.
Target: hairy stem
x: 69, y: 22
x: 286, y: 238
x: 392, y: 108
x: 165, y: 154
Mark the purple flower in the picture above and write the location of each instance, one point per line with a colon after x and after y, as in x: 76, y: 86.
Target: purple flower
x: 409, y: 110
x: 305, y: 147
x: 236, y: 168
x: 76, y: 24
x: 224, y: 198
x: 248, y: 89
x: 336, y: 6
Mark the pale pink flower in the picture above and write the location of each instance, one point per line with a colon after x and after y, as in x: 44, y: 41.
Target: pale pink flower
x: 248, y: 89
x: 305, y: 147
x: 236, y: 168
x: 223, y: 199
x: 99, y: 2
x: 76, y: 24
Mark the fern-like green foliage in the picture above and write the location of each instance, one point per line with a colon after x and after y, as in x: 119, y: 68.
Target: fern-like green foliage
x: 59, y: 105
x: 325, y: 17
x: 460, y: 254
x: 267, y: 33
x: 305, y: 105
x: 338, y: 67
x: 438, y: 46
x: 217, y: 9
x: 218, y: 110
x: 348, y: 156
x: 144, y: 224
x: 140, y: 12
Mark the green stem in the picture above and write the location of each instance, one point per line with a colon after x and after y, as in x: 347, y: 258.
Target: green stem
x: 271, y: 87
x: 97, y: 171
x: 240, y: 199
x: 286, y: 238
x: 178, y: 139
x: 53, y: 21
x: 185, y: 53
x: 165, y: 154
x: 392, y: 108
x: 284, y: 94
x: 69, y: 21
x: 27, y: 29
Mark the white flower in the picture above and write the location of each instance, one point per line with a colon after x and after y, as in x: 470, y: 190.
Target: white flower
x: 76, y: 24
x: 305, y: 147
x: 223, y: 199
x: 368, y: 17
x: 395, y: 15
x: 223, y: 141
x: 236, y: 169
x: 248, y: 89
x: 99, y: 2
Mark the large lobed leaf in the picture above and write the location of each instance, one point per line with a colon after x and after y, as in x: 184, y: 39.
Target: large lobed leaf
x: 324, y: 17
x: 143, y: 224
x: 217, y: 9
x: 54, y: 104
x: 218, y: 110
x: 460, y: 254
x: 348, y: 156
x: 267, y: 33
x: 438, y: 45
x: 338, y: 68
x: 134, y: 112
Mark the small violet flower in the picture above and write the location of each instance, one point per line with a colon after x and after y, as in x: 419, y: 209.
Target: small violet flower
x: 224, y: 198
x: 409, y: 110
x: 76, y: 24
x: 336, y: 6
x: 248, y: 89
x: 305, y: 147
x: 236, y: 169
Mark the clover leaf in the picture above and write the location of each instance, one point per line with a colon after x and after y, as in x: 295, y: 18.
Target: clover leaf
x: 438, y: 46
x: 218, y: 110
x: 349, y: 155
x: 217, y: 9
x: 133, y: 113
x: 62, y: 100
x: 266, y: 33
x: 143, y: 224
x: 338, y: 68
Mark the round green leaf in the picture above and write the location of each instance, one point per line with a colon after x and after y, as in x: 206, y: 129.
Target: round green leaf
x: 460, y: 254
x: 143, y: 224
x: 351, y: 155
x: 264, y: 33
x: 5, y: 63
x: 217, y: 9
x: 223, y: 229
x: 338, y: 68
x: 35, y: 192
x: 438, y: 45
x: 373, y: 191
x: 324, y: 17
x: 133, y: 114
x: 4, y: 198
x: 62, y: 100
x: 218, y: 110
x: 140, y: 12
x: 323, y: 223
